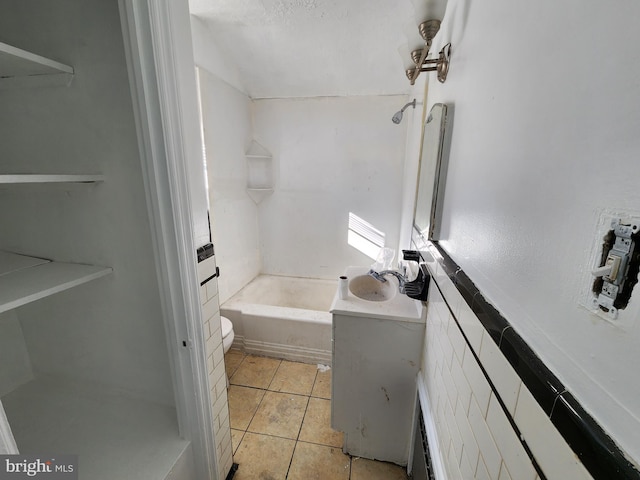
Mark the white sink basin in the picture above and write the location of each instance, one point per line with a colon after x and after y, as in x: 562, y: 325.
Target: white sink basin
x: 372, y: 299
x: 368, y: 288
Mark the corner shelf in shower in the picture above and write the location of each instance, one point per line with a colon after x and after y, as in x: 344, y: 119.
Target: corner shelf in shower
x: 25, y: 279
x: 20, y: 68
x: 259, y: 194
x: 12, y: 179
x: 259, y: 172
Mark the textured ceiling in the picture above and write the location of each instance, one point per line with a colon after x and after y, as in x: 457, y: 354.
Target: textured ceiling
x: 306, y: 48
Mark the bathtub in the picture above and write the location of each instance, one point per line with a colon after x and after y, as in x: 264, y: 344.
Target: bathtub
x: 283, y: 317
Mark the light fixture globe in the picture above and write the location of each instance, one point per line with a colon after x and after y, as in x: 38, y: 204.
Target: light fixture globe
x: 428, y: 29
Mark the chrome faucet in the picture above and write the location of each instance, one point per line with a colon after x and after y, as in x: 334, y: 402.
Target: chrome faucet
x: 380, y: 277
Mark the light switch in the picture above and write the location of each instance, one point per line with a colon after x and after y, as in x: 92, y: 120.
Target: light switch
x: 613, y: 261
x: 618, y: 273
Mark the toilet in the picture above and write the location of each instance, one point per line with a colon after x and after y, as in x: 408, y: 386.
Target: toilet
x: 227, y: 333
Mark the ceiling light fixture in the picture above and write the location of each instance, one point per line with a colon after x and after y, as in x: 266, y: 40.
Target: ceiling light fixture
x: 428, y: 30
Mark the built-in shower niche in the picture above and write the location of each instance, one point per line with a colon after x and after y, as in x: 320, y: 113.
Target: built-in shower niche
x: 259, y: 172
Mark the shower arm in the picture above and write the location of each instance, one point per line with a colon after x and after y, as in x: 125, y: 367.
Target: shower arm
x: 411, y: 103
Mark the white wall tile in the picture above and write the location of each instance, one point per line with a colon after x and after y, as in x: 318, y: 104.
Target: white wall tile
x: 476, y: 437
x: 511, y: 450
x: 447, y: 349
x: 219, y: 404
x: 453, y: 466
x: 210, y: 308
x: 462, y: 386
x: 477, y: 381
x: 553, y: 454
x: 203, y: 295
x: 466, y: 469
x: 504, y: 473
x: 210, y: 364
x: 218, y: 373
x: 206, y: 268
x: 216, y: 326
x: 486, y: 444
x: 221, y: 385
x: 481, y: 470
x: 212, y: 288
x: 456, y: 438
x: 450, y: 294
x: 211, y: 345
x: 471, y: 448
x: 223, y: 417
x: 450, y: 386
x: 457, y: 340
x: 441, y: 277
x: 501, y: 373
x: 218, y: 354
x: 471, y: 325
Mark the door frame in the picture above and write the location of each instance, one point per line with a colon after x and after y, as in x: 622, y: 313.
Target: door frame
x: 157, y: 41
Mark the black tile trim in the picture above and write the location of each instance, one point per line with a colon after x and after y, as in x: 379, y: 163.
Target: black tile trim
x: 596, y: 450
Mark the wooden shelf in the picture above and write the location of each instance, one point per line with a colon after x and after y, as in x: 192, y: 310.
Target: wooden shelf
x: 38, y: 178
x: 22, y: 68
x: 26, y: 279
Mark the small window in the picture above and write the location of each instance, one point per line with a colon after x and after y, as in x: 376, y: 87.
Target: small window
x: 365, y: 237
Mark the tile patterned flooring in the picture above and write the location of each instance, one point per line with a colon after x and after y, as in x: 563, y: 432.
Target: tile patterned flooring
x: 280, y: 414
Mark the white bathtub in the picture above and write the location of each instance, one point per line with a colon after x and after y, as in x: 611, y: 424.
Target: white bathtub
x: 283, y: 317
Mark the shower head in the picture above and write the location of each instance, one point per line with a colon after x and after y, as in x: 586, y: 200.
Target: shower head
x: 397, y: 117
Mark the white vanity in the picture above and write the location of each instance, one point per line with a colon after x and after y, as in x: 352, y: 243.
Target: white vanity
x: 377, y: 348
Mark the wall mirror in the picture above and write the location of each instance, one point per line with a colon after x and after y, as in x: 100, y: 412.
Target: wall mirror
x: 431, y: 176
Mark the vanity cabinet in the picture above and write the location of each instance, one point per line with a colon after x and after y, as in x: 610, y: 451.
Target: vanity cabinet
x: 376, y: 358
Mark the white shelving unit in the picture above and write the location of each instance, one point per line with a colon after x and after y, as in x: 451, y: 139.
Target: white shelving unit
x: 54, y: 414
x: 80, y: 376
x: 260, y: 172
x: 39, y: 178
x: 25, y: 279
x: 20, y: 68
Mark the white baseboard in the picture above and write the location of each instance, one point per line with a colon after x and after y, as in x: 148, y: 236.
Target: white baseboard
x: 437, y: 461
x: 279, y: 350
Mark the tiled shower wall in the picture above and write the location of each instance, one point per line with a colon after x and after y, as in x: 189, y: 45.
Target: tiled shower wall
x: 215, y: 364
x: 489, y: 426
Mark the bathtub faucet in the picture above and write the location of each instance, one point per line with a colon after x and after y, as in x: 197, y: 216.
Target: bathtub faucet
x: 380, y: 277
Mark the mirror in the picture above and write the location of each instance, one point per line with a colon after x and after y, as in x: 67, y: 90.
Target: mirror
x: 431, y: 176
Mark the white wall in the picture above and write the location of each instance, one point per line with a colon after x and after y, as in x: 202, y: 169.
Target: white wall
x: 208, y: 56
x: 13, y: 351
x: 332, y: 156
x: 415, y: 119
x: 226, y: 115
x: 192, y: 144
x: 110, y: 330
x: 545, y: 138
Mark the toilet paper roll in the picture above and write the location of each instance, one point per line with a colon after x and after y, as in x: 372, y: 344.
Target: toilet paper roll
x: 343, y: 287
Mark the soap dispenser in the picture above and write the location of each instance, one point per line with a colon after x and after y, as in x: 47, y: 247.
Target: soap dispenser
x: 418, y: 289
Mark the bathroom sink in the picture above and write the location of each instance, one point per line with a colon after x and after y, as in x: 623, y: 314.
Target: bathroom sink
x: 368, y: 288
